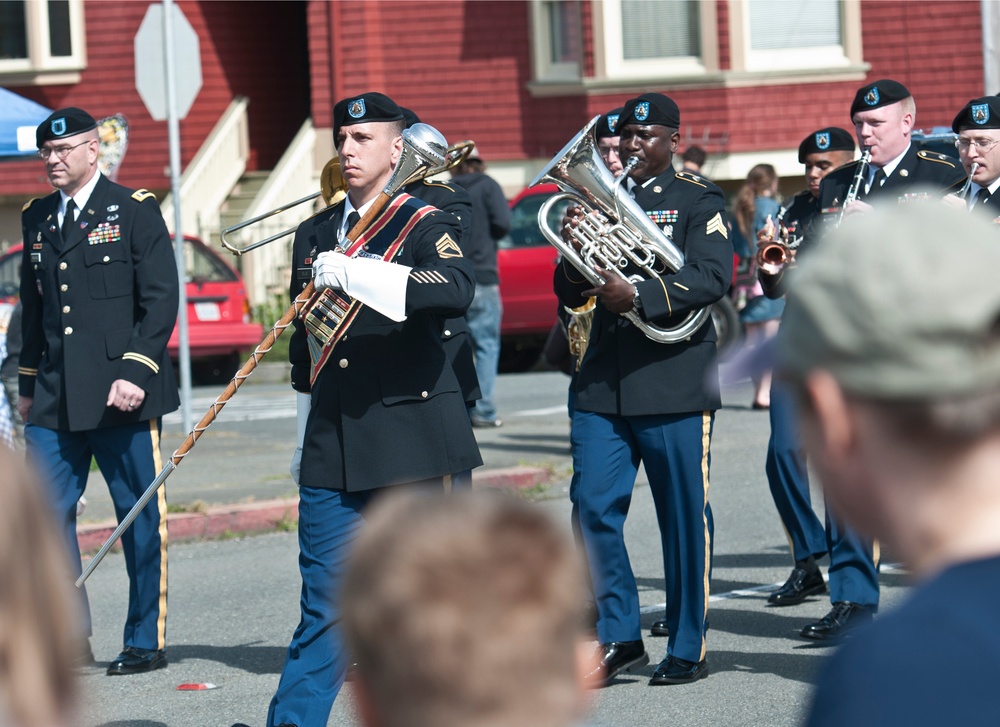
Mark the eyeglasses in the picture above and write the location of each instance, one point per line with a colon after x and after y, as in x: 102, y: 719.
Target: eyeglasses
x: 982, y: 145
x: 61, y: 152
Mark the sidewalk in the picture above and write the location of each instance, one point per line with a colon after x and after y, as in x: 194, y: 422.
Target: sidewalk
x: 280, y: 514
x: 236, y: 479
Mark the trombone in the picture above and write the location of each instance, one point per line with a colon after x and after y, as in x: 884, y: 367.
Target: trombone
x: 333, y: 189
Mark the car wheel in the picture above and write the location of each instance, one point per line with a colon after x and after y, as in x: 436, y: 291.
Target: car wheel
x: 728, y: 329
x: 518, y: 357
x: 215, y: 371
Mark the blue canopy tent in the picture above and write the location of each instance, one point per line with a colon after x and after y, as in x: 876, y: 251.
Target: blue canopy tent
x: 18, y: 119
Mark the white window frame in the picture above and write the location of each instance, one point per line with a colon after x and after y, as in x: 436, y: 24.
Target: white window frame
x: 41, y: 67
x: 610, y: 59
x: 544, y: 68
x: 846, y: 55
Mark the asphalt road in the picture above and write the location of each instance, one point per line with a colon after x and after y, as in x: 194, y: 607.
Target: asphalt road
x: 234, y: 603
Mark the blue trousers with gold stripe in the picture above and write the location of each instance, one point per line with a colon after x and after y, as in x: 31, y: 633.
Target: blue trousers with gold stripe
x: 674, y: 449
x: 853, y: 560
x: 129, y: 459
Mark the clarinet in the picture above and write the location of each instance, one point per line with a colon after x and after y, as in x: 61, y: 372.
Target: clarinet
x: 859, y: 178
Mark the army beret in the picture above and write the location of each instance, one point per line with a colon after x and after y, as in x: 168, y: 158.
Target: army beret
x: 63, y: 123
x: 363, y: 109
x: 979, y: 113
x: 832, y: 138
x: 409, y: 117
x: 608, y: 123
x: 650, y: 108
x: 878, y: 94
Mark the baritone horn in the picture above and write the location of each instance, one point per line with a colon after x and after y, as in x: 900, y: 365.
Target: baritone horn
x: 618, y: 235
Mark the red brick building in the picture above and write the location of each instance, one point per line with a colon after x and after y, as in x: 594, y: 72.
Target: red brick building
x: 751, y: 77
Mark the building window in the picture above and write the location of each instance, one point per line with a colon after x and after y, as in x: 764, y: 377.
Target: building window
x: 558, y: 46
x: 776, y: 35
x: 41, y: 41
x: 661, y: 39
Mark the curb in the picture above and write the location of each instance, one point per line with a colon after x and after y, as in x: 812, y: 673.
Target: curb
x: 256, y: 517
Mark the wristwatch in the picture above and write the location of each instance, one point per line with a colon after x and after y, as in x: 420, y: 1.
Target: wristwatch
x: 636, y: 301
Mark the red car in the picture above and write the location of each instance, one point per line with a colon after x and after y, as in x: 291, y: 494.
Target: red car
x: 526, y: 262
x: 220, y: 329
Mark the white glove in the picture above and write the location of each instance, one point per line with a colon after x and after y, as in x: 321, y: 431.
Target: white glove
x: 376, y: 283
x: 303, y: 402
x: 329, y: 270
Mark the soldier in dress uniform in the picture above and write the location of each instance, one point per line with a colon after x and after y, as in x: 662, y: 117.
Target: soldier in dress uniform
x: 99, y: 291
x: 883, y: 113
x: 821, y: 152
x: 638, y: 400
x: 380, y: 404
x: 978, y: 129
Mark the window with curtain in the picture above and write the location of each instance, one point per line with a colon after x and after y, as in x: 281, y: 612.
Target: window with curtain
x: 652, y: 29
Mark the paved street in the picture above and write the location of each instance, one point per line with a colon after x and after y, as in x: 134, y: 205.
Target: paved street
x: 234, y: 603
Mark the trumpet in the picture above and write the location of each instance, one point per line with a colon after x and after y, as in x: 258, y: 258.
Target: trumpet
x: 333, y: 188
x: 963, y: 193
x: 777, y: 253
x: 855, y: 188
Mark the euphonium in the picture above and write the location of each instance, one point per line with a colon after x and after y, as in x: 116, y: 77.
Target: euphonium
x: 619, y: 235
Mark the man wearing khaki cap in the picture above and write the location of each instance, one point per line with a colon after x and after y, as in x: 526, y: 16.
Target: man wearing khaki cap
x: 894, y: 352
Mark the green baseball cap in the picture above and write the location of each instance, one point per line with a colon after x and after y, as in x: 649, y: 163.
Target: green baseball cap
x: 902, y: 303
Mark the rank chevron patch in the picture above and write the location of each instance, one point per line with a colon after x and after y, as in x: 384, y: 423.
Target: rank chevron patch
x: 447, y: 247
x: 717, y: 225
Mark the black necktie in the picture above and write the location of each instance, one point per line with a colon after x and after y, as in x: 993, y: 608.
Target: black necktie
x: 352, y: 220
x: 982, y: 197
x: 69, y: 220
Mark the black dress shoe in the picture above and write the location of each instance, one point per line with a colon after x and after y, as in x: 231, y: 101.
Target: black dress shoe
x: 616, y: 657
x: 674, y: 670
x: 137, y: 661
x: 659, y: 628
x: 800, y: 585
x: 843, y: 618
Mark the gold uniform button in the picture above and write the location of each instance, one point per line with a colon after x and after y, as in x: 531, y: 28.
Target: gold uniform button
x: 64, y: 287
x: 423, y: 394
x: 343, y: 363
x: 65, y: 309
x: 63, y: 266
x: 69, y: 330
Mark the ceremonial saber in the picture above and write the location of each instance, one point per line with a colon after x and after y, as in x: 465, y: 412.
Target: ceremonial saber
x: 424, y: 148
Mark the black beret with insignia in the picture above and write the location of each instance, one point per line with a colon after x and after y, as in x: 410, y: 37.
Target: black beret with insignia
x: 878, y: 94
x: 650, y: 108
x: 363, y: 109
x: 63, y: 123
x: 832, y: 138
x: 979, y: 113
x: 607, y: 125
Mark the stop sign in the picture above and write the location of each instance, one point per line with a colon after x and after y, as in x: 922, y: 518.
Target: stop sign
x: 150, y: 62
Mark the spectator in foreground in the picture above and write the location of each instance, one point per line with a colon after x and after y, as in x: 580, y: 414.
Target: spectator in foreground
x: 894, y: 351
x: 38, y: 627
x: 462, y: 610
